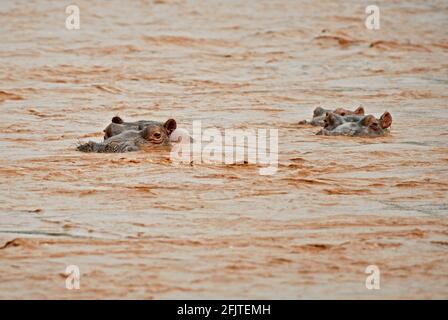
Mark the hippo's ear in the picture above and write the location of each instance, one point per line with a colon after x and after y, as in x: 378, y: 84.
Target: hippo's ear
x: 359, y: 111
x: 117, y: 119
x: 386, y: 120
x: 170, y: 125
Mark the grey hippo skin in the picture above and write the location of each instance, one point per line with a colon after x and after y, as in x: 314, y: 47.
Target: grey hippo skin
x: 148, y: 134
x: 118, y: 126
x: 353, y: 125
x: 320, y: 113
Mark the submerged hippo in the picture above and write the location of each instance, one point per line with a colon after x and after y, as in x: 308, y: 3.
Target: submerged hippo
x: 333, y: 120
x: 320, y: 113
x: 353, y: 125
x: 118, y: 126
x: 151, y: 134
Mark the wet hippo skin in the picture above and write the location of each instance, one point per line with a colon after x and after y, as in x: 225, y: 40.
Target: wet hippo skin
x: 152, y: 133
x: 352, y: 125
x: 117, y: 126
x: 320, y: 113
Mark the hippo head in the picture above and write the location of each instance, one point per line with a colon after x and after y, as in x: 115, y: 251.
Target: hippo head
x: 371, y: 126
x: 158, y: 133
x: 332, y: 121
x: 344, y: 112
x: 118, y: 126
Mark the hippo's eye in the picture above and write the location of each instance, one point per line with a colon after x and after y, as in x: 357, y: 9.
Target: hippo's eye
x: 157, y: 135
x: 342, y: 113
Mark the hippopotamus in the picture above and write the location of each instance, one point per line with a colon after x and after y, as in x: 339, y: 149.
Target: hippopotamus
x: 133, y: 137
x: 354, y: 125
x: 118, y: 126
x: 320, y: 113
x: 333, y: 120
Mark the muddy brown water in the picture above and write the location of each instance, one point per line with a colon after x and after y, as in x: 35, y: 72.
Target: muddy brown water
x: 140, y: 227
